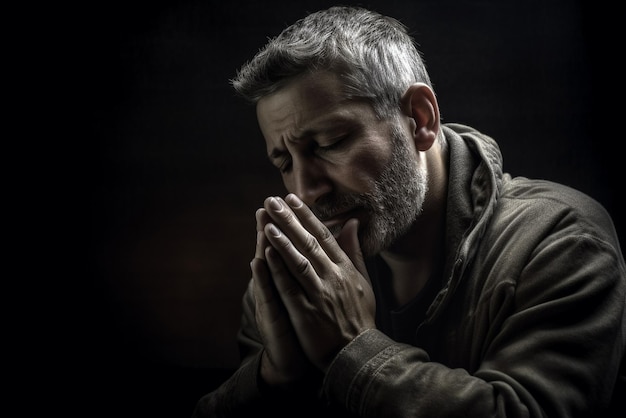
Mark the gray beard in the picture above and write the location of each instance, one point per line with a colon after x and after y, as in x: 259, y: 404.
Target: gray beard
x: 393, y: 205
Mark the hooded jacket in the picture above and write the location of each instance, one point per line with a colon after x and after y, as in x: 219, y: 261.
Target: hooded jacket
x: 527, y: 318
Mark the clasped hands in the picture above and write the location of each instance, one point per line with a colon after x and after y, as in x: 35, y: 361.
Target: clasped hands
x: 311, y: 289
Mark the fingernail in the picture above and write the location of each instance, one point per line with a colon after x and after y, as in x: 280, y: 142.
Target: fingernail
x: 275, y: 204
x: 293, y: 200
x: 273, y: 230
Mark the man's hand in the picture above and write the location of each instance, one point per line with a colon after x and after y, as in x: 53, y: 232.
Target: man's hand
x: 325, y: 290
x: 283, y: 362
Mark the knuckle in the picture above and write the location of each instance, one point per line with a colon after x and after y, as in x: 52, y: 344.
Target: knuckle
x: 303, y: 266
x: 310, y: 244
x: 325, y: 235
x: 285, y: 243
x: 288, y: 217
x: 336, y: 281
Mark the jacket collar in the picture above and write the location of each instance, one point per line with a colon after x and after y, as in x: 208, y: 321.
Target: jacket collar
x: 474, y: 183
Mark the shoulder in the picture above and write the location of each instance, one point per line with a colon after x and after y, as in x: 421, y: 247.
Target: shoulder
x: 548, y: 221
x: 543, y: 204
x: 545, y: 235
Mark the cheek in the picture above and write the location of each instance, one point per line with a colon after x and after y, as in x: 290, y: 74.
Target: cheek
x: 362, y: 168
x: 288, y: 182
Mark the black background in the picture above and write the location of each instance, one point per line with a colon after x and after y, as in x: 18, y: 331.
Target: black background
x: 173, y: 167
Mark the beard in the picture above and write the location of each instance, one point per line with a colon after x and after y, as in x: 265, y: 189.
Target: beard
x: 392, y: 206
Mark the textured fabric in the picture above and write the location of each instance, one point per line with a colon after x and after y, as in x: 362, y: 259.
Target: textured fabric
x: 529, y: 319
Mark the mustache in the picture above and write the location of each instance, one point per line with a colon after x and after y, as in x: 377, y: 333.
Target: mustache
x: 328, y: 206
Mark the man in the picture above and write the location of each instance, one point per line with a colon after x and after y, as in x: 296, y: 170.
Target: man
x: 405, y: 274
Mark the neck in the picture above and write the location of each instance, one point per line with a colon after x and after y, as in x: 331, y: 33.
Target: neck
x: 414, y: 256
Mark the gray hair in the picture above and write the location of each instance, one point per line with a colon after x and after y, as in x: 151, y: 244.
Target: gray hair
x: 373, y: 54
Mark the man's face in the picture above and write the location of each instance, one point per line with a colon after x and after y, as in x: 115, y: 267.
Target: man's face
x: 341, y: 160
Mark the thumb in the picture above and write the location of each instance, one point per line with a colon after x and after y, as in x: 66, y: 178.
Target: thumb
x: 348, y: 240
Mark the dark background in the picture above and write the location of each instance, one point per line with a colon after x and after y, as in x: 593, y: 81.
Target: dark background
x: 174, y: 167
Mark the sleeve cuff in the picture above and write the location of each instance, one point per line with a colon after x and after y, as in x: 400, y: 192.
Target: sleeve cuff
x: 352, y: 369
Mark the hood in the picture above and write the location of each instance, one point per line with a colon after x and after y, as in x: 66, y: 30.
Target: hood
x: 474, y: 182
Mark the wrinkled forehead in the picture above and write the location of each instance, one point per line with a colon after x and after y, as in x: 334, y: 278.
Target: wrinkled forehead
x: 300, y: 102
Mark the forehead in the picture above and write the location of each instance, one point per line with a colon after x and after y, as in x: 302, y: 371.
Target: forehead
x: 306, y: 103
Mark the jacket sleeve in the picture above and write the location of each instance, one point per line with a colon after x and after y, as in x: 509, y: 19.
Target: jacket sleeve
x: 238, y: 395
x: 555, y: 351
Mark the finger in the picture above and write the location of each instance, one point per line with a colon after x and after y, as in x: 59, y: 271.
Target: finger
x: 311, y: 223
x: 262, y: 218
x: 303, y: 241
x: 265, y: 295
x: 261, y: 244
x: 283, y: 356
x: 270, y: 312
x: 348, y: 240
x: 293, y: 274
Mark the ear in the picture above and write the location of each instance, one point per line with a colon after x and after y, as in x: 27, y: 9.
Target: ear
x: 420, y: 104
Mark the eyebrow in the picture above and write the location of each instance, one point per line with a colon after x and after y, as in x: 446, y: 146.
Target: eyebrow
x: 278, y: 152
x: 337, y: 122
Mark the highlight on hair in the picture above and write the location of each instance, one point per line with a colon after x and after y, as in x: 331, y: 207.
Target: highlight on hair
x: 373, y: 54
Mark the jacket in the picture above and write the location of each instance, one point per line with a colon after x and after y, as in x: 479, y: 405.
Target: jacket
x: 527, y: 319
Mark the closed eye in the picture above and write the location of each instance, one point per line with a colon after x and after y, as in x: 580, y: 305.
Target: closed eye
x: 280, y: 159
x: 329, y: 147
x: 285, y: 165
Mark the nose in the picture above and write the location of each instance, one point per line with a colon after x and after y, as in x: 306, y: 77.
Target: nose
x: 309, y: 181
